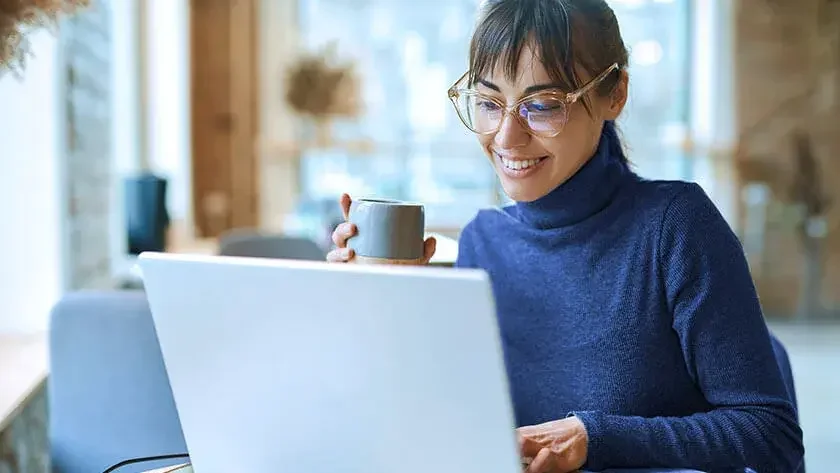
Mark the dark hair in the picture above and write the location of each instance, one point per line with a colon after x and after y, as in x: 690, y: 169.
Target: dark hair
x: 565, y: 34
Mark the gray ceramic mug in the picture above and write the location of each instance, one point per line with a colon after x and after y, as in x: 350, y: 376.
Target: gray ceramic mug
x: 388, y: 231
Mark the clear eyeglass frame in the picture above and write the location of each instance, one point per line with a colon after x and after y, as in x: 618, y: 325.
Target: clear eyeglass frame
x: 457, y: 91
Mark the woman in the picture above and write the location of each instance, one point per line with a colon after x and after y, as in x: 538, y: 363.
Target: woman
x: 633, y: 335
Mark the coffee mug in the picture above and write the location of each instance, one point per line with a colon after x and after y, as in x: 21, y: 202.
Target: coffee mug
x: 388, y: 231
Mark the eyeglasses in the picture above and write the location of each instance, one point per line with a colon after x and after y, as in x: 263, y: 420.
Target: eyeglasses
x: 542, y: 113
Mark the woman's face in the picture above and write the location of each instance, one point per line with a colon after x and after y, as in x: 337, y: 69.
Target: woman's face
x: 550, y: 161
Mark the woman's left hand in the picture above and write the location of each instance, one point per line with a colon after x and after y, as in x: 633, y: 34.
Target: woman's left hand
x: 558, y: 446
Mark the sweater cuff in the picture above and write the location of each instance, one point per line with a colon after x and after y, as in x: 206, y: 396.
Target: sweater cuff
x: 598, y: 449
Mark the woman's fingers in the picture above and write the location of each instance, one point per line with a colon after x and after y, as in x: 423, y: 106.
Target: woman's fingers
x: 345, y: 202
x: 429, y: 248
x: 340, y: 255
x: 542, y: 463
x: 342, y: 233
x: 528, y: 446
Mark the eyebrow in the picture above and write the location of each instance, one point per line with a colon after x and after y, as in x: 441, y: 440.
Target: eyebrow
x: 528, y: 90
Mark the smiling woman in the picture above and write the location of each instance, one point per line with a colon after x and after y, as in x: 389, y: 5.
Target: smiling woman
x: 632, y: 332
x: 19, y: 17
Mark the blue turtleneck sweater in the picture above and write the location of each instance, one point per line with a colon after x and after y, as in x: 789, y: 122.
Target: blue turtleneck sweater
x: 628, y: 303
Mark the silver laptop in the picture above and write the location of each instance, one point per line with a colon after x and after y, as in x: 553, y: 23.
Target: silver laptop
x: 289, y: 366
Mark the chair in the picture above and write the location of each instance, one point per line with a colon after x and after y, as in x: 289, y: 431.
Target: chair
x: 109, y: 395
x: 258, y: 245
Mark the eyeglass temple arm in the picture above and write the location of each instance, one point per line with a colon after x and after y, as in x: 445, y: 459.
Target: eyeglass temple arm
x: 573, y: 97
x: 453, y: 90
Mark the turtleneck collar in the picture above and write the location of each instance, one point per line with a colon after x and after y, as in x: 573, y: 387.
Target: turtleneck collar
x: 588, y: 191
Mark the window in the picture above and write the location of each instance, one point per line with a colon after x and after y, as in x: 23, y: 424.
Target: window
x: 655, y: 121
x: 408, y: 53
x: 31, y: 190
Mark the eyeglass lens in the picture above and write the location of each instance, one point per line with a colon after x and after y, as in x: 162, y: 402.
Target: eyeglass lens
x: 543, y: 115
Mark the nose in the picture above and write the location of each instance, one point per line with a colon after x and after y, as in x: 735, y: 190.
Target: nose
x: 511, y: 133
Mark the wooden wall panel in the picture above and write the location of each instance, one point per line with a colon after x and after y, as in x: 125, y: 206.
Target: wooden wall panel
x: 223, y: 111
x: 244, y: 107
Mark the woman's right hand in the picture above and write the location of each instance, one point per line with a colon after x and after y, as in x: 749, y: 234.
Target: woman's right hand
x: 343, y: 232
x: 346, y: 230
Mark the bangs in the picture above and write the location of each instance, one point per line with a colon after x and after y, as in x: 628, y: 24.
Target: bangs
x: 506, y: 28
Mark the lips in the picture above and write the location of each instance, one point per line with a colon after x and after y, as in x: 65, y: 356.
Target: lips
x: 520, y: 164
x: 517, y: 167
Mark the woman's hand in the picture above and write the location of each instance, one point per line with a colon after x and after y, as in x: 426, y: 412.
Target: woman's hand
x: 343, y: 232
x: 558, y: 446
x: 346, y: 230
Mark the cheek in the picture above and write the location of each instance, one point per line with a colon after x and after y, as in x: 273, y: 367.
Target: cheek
x: 586, y: 127
x: 485, y: 141
x: 576, y: 141
x: 557, y: 146
x: 568, y: 150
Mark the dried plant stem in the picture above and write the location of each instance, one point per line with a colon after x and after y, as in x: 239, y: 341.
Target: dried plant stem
x: 320, y: 88
x: 20, y: 17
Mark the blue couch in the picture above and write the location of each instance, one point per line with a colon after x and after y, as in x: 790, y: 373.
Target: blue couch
x: 109, y: 396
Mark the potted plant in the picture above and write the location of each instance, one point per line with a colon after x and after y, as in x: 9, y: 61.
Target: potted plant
x: 319, y: 88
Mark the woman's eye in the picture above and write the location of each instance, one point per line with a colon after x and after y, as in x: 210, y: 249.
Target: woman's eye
x: 542, y: 106
x: 487, y: 105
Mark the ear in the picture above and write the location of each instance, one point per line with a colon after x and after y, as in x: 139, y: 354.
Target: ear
x: 618, y: 97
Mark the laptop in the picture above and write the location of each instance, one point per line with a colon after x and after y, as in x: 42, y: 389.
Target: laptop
x: 296, y: 366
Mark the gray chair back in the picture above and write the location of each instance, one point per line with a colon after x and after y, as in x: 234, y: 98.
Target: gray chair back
x: 258, y: 245
x: 109, y: 395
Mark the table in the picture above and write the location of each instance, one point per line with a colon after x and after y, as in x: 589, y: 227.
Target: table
x: 24, y: 366
x: 446, y: 253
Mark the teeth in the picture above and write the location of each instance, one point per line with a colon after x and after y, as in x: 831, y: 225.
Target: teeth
x: 519, y: 164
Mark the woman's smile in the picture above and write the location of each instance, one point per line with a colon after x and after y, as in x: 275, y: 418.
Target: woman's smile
x: 519, y: 167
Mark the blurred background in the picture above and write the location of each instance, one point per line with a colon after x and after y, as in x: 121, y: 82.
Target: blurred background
x: 172, y: 124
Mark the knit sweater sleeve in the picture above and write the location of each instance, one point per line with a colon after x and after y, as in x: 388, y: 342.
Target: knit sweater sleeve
x: 727, y: 351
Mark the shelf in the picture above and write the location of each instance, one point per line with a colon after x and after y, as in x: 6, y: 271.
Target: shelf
x: 24, y: 366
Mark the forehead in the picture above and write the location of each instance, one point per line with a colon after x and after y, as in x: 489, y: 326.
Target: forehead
x: 530, y: 71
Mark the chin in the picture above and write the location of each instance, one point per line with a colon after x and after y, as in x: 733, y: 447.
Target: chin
x: 520, y: 193
x: 522, y: 179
